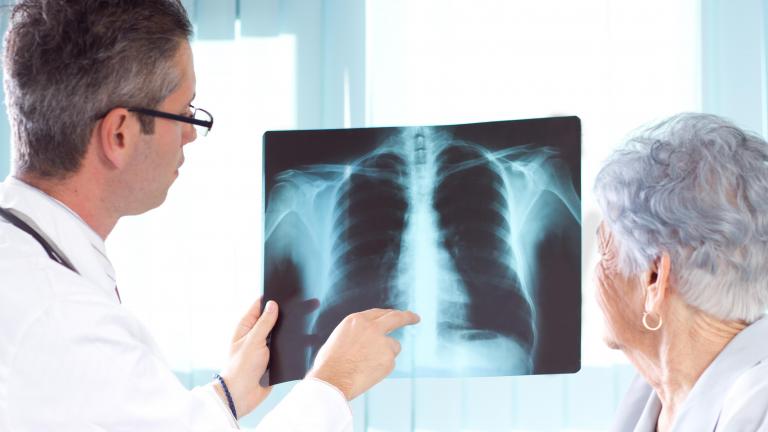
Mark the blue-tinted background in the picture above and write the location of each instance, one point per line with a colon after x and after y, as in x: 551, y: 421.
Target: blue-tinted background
x: 288, y: 64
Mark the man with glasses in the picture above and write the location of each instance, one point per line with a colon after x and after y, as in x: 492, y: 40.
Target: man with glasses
x: 99, y: 95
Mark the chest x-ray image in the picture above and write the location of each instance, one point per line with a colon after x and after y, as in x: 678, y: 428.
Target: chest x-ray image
x: 475, y: 227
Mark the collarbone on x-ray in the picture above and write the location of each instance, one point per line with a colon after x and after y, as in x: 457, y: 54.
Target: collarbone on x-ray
x: 426, y: 222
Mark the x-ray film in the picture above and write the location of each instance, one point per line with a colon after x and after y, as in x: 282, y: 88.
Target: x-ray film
x: 475, y: 227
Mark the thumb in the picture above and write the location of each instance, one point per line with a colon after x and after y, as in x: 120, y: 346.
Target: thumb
x: 265, y: 323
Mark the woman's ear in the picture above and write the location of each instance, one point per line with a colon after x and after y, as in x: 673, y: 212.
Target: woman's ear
x: 657, y: 283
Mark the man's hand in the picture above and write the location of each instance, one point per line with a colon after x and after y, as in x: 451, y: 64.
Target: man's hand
x: 359, y: 354
x: 248, y: 358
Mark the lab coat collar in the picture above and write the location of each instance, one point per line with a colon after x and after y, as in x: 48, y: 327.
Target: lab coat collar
x: 65, y: 228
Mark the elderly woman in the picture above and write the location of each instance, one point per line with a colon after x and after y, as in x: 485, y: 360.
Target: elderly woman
x: 683, y: 274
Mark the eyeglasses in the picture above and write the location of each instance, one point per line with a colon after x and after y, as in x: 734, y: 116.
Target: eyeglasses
x: 198, y: 117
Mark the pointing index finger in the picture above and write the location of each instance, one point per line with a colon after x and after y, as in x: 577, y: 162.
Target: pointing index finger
x: 395, y: 319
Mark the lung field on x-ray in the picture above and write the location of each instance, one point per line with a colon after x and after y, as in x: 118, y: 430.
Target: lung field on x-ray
x: 423, y: 221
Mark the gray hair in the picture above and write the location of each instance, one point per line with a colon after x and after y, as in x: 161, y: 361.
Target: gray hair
x: 695, y: 186
x: 68, y: 63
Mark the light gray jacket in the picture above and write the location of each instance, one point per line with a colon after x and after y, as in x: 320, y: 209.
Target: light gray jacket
x: 731, y: 394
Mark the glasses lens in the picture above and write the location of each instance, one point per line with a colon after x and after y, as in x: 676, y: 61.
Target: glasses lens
x: 199, y: 114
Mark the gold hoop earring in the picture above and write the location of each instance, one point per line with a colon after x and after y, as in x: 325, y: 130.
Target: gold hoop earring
x: 645, y: 322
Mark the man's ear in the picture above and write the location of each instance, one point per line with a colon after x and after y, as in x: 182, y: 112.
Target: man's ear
x: 657, y: 283
x: 116, y: 135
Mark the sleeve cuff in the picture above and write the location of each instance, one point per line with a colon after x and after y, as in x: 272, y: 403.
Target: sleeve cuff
x: 329, y: 386
x: 312, y: 405
x: 208, y: 393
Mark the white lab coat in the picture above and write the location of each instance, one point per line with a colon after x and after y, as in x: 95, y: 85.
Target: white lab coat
x: 73, y: 359
x: 731, y: 394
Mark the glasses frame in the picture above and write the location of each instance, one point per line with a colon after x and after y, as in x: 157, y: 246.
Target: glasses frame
x: 207, y: 124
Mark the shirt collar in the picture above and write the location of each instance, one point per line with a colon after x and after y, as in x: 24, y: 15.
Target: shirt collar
x: 702, y: 408
x: 65, y: 228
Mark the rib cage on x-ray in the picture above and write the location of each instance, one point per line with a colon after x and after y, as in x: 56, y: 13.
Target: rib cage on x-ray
x: 471, y: 203
x: 369, y: 217
x: 428, y: 223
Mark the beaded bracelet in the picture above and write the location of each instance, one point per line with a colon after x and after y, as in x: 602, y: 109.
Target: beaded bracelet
x: 228, y: 395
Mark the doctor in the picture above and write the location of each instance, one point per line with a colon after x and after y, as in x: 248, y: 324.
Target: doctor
x: 683, y: 275
x: 99, y: 95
